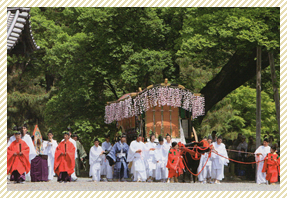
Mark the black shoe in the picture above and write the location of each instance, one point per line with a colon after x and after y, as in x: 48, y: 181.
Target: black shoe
x: 60, y: 181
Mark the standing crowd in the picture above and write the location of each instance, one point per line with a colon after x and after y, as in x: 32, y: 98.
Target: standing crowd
x: 152, y: 161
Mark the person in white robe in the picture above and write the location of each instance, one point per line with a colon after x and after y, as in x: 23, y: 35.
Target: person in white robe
x: 151, y: 161
x: 218, y: 162
x: 205, y: 175
x: 261, y: 153
x: 106, y: 169
x: 73, y: 176
x: 167, y: 145
x: 29, y: 142
x: 136, y: 155
x: 161, y: 156
x: 95, y: 160
x: 49, y: 150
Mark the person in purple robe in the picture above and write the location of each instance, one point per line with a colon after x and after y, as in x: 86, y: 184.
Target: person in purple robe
x: 118, y: 157
x: 39, y: 165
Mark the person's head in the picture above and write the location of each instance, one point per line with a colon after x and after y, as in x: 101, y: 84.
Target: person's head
x: 213, y: 134
x: 24, y: 129
x: 168, y: 138
x: 174, y: 145
x: 39, y: 143
x: 229, y: 142
x: 152, y: 137
x: 205, y: 138
x: 75, y: 137
x: 123, y: 138
x: 250, y: 140
x: 219, y: 139
x: 271, y: 139
x: 243, y: 138
x: 273, y: 149
x: 66, y: 136
x: 209, y: 139
x: 139, y: 138
x: 160, y: 139
x: 96, y: 142
x: 224, y: 140
x: 17, y: 135
x: 107, y: 137
x: 265, y: 142
x: 239, y: 135
x: 50, y: 135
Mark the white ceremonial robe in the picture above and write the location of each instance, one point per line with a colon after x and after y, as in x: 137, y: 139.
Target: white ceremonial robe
x: 138, y: 167
x: 106, y: 169
x: 261, y: 177
x: 32, y: 152
x: 218, y: 162
x: 150, y: 159
x: 73, y: 176
x: 50, y: 149
x: 95, y: 160
x: 161, y: 155
x: 206, y: 172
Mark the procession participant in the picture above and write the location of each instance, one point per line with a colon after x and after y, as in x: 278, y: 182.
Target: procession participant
x: 81, y: 154
x: 73, y: 176
x: 151, y: 161
x: 64, y: 164
x: 29, y: 142
x: 118, y: 157
x: 174, y: 164
x: 261, y: 152
x: 205, y: 175
x: 218, y: 162
x: 272, y: 166
x: 137, y: 156
x: 168, y: 141
x: 161, y: 159
x: 106, y: 169
x: 95, y: 159
x: 50, y: 149
x: 18, y: 159
x: 214, y: 138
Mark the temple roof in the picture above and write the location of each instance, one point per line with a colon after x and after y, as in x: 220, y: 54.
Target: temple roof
x: 18, y: 24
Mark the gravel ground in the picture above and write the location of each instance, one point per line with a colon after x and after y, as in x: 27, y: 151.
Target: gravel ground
x: 86, y: 184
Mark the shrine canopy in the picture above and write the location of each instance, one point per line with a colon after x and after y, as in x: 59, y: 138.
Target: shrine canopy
x: 173, y: 95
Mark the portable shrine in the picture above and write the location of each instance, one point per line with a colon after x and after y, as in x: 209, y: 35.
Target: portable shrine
x: 162, y: 108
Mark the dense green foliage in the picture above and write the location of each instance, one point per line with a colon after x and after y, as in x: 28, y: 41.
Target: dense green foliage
x: 89, y: 56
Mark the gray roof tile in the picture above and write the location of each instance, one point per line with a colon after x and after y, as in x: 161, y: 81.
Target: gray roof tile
x: 17, y: 17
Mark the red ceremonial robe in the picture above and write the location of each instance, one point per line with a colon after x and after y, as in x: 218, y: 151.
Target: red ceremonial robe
x: 18, y: 162
x: 174, y: 163
x: 271, y: 167
x: 64, y: 163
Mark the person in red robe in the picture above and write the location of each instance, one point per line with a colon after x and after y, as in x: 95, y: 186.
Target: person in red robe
x: 272, y: 166
x: 18, y: 159
x: 64, y: 163
x: 174, y: 164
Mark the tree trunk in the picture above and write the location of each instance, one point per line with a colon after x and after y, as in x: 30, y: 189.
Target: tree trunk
x: 275, y: 90
x: 258, y: 98
x: 239, y: 69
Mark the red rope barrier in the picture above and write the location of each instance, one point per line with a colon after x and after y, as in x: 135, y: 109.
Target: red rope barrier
x: 236, y: 160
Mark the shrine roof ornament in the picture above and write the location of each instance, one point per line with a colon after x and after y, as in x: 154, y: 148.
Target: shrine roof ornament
x: 18, y: 24
x: 173, y: 95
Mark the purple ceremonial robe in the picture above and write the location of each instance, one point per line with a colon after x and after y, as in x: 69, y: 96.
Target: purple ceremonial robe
x: 39, y: 169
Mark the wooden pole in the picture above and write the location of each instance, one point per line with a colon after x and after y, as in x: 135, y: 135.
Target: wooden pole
x: 275, y: 90
x: 258, y: 98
